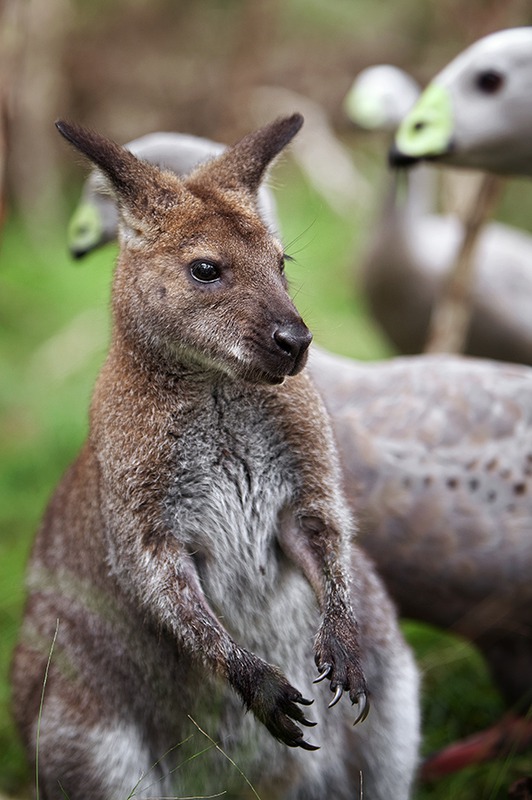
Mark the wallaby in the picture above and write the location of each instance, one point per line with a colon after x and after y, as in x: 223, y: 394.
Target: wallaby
x: 200, y: 548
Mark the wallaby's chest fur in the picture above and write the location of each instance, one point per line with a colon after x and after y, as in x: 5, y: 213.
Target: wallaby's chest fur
x: 234, y: 474
x: 211, y: 461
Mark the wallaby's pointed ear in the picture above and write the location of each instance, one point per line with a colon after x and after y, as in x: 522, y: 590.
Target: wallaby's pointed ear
x: 123, y: 170
x: 137, y: 186
x: 243, y: 165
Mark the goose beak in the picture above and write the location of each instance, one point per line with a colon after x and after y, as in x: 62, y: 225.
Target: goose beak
x: 85, y: 230
x: 426, y: 131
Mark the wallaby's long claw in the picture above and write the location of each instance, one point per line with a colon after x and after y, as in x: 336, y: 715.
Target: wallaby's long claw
x: 305, y: 745
x: 323, y: 674
x: 337, y: 695
x: 304, y: 701
x: 362, y: 701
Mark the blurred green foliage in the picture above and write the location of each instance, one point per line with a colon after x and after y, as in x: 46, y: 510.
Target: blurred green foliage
x: 53, y: 330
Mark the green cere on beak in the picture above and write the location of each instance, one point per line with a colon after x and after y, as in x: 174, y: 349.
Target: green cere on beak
x: 427, y: 129
x: 85, y: 229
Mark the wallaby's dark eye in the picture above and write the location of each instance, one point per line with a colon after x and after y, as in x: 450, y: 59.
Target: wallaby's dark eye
x: 489, y: 81
x: 205, y: 271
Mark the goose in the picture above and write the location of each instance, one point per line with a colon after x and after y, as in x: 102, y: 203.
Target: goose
x: 412, y: 247
x: 476, y: 112
x: 436, y: 453
x: 380, y: 97
x: 94, y: 221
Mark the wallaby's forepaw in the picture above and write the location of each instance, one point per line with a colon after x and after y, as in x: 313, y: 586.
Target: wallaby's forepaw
x: 282, y: 711
x: 276, y: 703
x: 338, y: 661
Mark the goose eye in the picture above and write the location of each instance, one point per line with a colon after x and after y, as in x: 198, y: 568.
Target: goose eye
x: 489, y: 81
x: 205, y: 271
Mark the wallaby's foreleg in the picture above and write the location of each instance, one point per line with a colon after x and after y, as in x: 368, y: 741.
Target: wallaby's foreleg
x: 338, y: 653
x: 316, y: 535
x: 168, y: 587
x: 337, y: 649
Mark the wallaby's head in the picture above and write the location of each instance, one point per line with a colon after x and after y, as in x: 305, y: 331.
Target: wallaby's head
x: 200, y: 278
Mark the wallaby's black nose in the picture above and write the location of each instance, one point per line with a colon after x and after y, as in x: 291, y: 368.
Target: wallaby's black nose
x: 293, y: 340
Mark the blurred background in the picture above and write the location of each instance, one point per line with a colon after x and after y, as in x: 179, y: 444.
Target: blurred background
x: 215, y: 68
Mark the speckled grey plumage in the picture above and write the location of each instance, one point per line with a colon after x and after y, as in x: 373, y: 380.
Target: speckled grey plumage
x: 437, y: 456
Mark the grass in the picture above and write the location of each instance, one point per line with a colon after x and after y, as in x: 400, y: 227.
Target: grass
x: 53, y: 337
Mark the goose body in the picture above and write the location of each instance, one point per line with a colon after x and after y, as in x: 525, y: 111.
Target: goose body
x: 437, y: 458
x: 476, y: 112
x: 412, y: 248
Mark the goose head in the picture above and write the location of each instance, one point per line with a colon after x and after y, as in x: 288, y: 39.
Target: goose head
x: 380, y: 96
x: 477, y: 112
